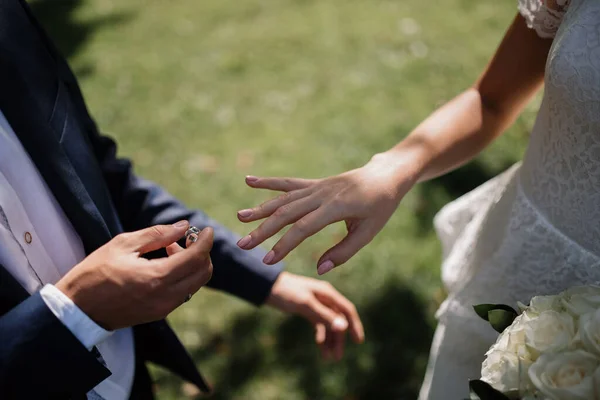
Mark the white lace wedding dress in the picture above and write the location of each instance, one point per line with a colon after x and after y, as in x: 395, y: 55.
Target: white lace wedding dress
x: 535, y: 229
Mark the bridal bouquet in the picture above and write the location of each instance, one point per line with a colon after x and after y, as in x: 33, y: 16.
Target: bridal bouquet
x: 551, y: 350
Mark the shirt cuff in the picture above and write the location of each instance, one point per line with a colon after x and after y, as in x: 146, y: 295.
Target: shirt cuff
x: 80, y: 325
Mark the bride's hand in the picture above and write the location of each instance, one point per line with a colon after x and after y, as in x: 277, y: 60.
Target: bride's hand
x: 364, y: 198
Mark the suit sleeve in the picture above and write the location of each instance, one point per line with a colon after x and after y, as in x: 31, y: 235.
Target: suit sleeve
x: 141, y: 203
x: 33, y: 366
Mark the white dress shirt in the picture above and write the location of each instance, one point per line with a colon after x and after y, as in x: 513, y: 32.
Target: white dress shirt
x: 38, y: 245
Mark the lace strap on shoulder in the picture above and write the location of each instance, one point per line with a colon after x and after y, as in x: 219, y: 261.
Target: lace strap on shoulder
x: 544, y: 16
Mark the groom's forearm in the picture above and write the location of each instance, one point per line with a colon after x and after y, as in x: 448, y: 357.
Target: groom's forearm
x: 141, y: 203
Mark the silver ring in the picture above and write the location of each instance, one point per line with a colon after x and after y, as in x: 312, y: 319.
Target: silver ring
x: 192, y: 234
x: 187, y: 298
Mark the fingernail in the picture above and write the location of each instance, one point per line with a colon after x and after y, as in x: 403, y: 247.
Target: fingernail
x: 245, y: 241
x: 180, y: 224
x: 251, y: 179
x: 339, y: 324
x: 325, y: 267
x: 245, y: 213
x: 269, y: 257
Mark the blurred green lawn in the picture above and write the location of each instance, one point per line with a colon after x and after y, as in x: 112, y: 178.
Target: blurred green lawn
x: 200, y: 93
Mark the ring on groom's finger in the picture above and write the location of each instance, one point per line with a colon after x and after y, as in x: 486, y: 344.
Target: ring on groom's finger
x: 192, y: 234
x: 187, y: 298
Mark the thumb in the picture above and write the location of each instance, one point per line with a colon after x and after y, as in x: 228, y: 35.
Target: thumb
x: 317, y: 313
x: 155, y: 237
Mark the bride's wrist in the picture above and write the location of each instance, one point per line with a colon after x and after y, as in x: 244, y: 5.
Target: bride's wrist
x: 405, y: 166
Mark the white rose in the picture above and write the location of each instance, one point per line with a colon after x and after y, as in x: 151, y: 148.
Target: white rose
x: 503, y: 371
x: 550, y: 332
x: 512, y: 340
x: 580, y: 300
x: 509, y: 356
x: 589, y: 332
x: 565, y: 376
x: 539, y: 304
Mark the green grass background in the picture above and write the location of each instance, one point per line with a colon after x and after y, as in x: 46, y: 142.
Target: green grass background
x: 200, y: 93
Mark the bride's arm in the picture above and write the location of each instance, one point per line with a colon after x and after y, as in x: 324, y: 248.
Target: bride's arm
x: 463, y: 127
x: 366, y: 197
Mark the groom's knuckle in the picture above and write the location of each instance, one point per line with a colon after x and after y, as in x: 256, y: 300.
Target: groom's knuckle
x: 157, y: 279
x: 122, y: 239
x: 158, y: 273
x: 155, y: 232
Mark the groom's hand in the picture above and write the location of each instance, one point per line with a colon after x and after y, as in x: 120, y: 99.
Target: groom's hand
x: 116, y: 287
x: 332, y: 314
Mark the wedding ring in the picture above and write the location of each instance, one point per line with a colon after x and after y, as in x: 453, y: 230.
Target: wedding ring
x: 192, y: 234
x: 187, y: 298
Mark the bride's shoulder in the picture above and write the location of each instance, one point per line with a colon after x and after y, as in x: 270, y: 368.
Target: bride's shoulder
x: 544, y: 16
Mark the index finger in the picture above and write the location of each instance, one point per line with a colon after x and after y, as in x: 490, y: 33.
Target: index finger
x: 333, y: 298
x: 279, y: 184
x: 308, y: 225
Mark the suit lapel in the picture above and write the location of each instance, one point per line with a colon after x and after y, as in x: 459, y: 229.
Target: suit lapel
x: 21, y: 108
x: 28, y: 93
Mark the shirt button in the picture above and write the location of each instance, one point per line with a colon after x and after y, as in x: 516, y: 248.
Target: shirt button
x: 28, y: 237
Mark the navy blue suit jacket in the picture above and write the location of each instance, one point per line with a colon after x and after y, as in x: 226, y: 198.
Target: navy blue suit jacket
x: 102, y: 197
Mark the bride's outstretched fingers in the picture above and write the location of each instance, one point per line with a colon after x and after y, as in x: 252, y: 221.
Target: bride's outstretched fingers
x: 279, y: 184
x: 269, y: 207
x: 365, y: 198
x: 358, y: 237
x: 310, y: 222
x: 278, y: 218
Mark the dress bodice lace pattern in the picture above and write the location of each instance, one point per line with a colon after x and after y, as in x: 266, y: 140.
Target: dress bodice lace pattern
x: 545, y: 16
